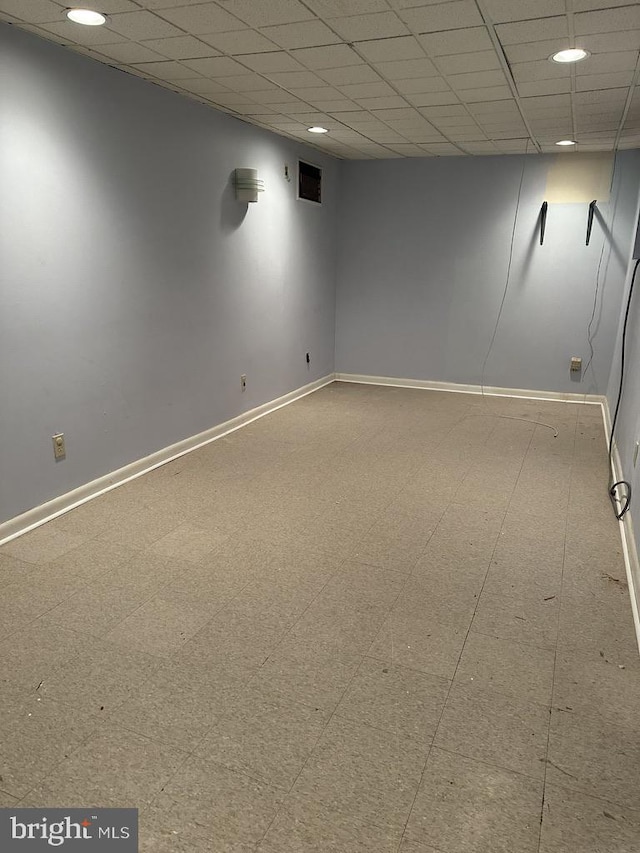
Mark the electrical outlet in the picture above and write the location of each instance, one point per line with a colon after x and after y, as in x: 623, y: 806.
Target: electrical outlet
x: 308, y: 359
x: 576, y: 364
x: 286, y: 172
x: 635, y: 453
x: 59, y: 450
x: 243, y: 381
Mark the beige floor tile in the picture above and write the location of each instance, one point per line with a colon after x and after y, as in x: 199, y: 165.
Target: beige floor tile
x: 465, y: 806
x: 29, y: 655
x: 412, y: 847
x: 91, y: 560
x: 592, y: 684
x: 38, y: 738
x: 519, y: 615
x: 12, y: 569
x: 418, y: 643
x: 98, y: 678
x: 303, y: 827
x: 594, y: 756
x: 115, y: 768
x: 24, y: 601
x: 306, y: 673
x: 142, y: 528
x: 497, y: 729
x: 229, y: 807
x: 7, y: 801
x: 174, y: 705
x: 188, y: 542
x: 506, y: 667
x: 160, y: 626
x: 264, y: 738
x: 362, y: 772
x: 42, y: 545
x: 573, y: 822
x: 395, y: 699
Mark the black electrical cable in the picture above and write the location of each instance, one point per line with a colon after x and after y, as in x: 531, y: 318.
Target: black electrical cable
x: 614, y: 486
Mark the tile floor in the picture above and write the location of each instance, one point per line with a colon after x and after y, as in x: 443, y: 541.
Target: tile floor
x: 376, y: 620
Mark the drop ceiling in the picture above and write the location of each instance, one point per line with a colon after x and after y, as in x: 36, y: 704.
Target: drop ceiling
x: 388, y: 78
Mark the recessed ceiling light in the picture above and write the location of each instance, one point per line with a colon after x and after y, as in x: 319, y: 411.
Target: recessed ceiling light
x: 86, y: 16
x: 317, y: 130
x: 566, y: 142
x: 573, y: 54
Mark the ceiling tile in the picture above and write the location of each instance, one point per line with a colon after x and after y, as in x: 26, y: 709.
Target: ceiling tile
x: 483, y: 60
x: 544, y: 105
x: 535, y: 50
x: 608, y: 97
x: 217, y: 66
x: 296, y: 79
x: 477, y: 80
x: 205, y: 18
x: 445, y: 16
x: 457, y: 41
x: 337, y: 105
x: 388, y: 102
x: 491, y: 108
x: 368, y: 90
x: 608, y: 20
x: 443, y: 149
x: 267, y: 63
x: 390, y: 49
x: 167, y: 70
x: 607, y: 63
x: 249, y: 83
x: 316, y: 93
x: 76, y: 34
x: 434, y: 113
x: 525, y: 31
x: 454, y: 121
x: 33, y: 12
x: 203, y: 86
x: 406, y: 69
x: 129, y: 51
x: 429, y: 99
x: 239, y: 42
x: 424, y: 84
x: 479, y: 147
x: 544, y: 87
x: 360, y: 27
x: 501, y: 11
x: 386, y: 135
x: 308, y: 34
x: 603, y: 81
x: 338, y: 8
x: 350, y: 75
x: 265, y: 14
x: 327, y: 56
x: 603, y: 42
x: 408, y: 149
x: 394, y: 115
x: 179, y: 47
x: 142, y: 25
x: 490, y: 93
x: 529, y: 72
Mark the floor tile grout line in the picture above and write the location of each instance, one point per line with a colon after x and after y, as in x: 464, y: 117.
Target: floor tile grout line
x: 555, y: 652
x: 466, y: 637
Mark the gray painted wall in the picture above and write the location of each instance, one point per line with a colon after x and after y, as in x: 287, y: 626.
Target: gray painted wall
x: 423, y: 262
x: 133, y: 292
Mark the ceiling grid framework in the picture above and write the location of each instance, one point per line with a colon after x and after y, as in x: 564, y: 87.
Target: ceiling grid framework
x: 387, y: 78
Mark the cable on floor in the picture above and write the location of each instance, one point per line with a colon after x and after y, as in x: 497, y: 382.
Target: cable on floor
x: 500, y: 310
x: 613, y: 487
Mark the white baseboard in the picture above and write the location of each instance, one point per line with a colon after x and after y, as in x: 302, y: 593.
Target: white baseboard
x: 487, y: 390
x: 64, y: 503
x: 629, y: 549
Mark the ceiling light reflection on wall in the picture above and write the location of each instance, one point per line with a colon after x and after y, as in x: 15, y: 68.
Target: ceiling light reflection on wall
x: 317, y: 130
x: 572, y: 54
x: 87, y: 17
x: 566, y: 142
